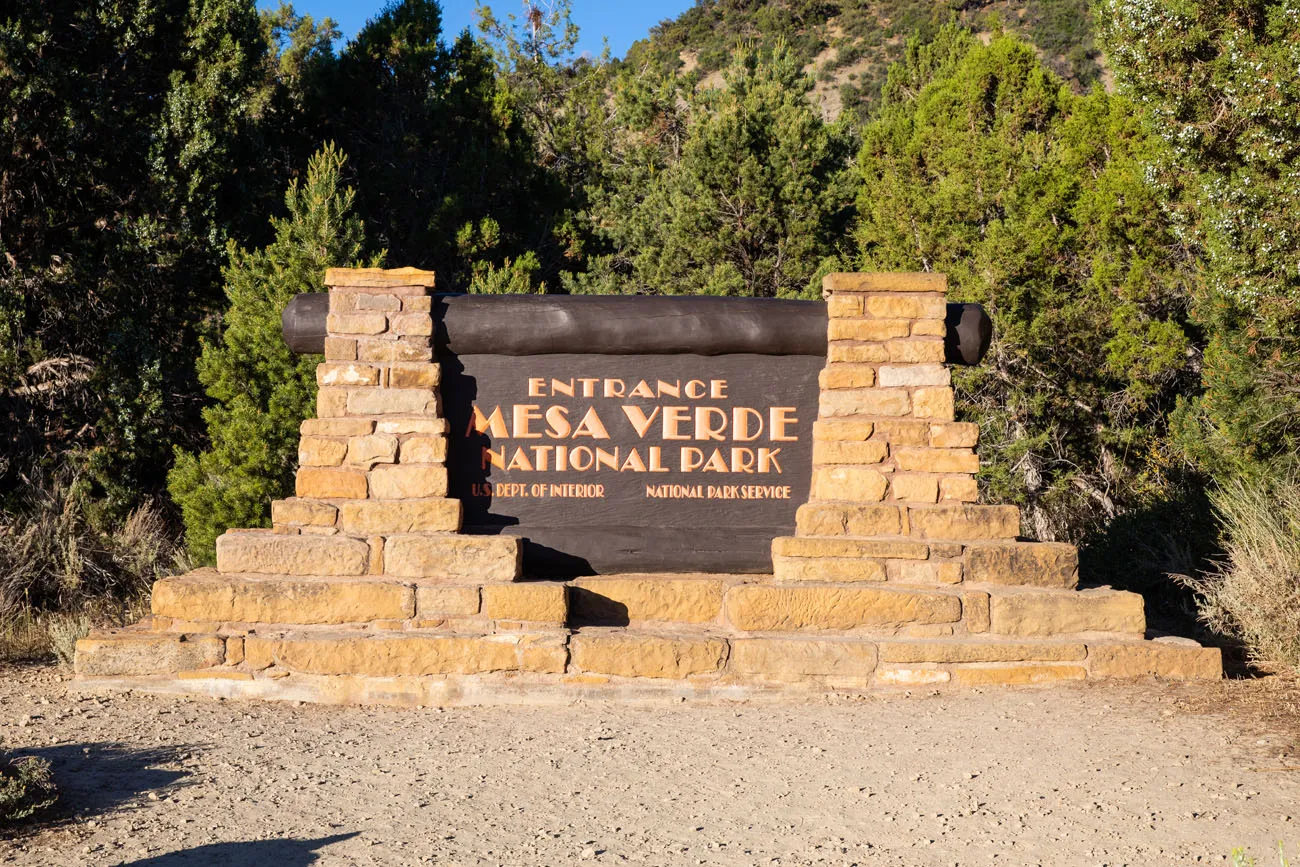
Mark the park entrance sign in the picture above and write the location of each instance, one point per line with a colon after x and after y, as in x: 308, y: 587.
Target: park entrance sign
x: 632, y: 433
x: 621, y: 453
x: 507, y: 499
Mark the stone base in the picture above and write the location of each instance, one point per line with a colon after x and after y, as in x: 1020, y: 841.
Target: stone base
x: 374, y: 640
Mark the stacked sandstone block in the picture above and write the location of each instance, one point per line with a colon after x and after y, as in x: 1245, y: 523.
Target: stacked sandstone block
x: 894, y: 578
x: 710, y: 632
x: 891, y: 540
x: 885, y: 430
x: 372, y: 479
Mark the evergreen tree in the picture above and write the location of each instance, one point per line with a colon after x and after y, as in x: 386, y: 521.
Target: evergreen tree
x: 135, y: 142
x: 560, y: 100
x: 262, y: 390
x: 1218, y: 82
x: 101, y: 267
x: 435, y: 145
x: 745, y: 201
x: 985, y: 166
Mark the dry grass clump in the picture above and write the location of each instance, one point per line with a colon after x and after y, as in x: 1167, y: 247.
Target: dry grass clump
x: 64, y: 564
x: 1255, y: 594
x: 26, y: 788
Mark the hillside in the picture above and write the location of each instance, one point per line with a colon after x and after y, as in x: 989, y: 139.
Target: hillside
x: 847, y: 45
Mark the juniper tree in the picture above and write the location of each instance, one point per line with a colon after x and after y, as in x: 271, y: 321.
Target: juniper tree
x: 262, y: 391
x: 1217, y: 82
x: 748, y: 203
x: 984, y: 165
x: 125, y: 124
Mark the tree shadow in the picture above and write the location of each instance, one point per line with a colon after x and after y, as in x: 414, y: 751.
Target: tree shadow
x: 247, y: 853
x: 97, y: 778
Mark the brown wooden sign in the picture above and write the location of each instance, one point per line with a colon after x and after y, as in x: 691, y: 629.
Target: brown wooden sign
x: 668, y: 436
x: 617, y: 462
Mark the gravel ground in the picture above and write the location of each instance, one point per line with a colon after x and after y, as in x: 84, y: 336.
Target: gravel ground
x: 1145, y: 774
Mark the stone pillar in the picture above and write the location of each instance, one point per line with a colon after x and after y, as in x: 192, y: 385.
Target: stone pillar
x: 372, y: 464
x: 893, y: 474
x: 373, y: 460
x: 885, y: 429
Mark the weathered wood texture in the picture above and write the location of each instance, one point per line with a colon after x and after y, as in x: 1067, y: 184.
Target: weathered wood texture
x: 629, y: 325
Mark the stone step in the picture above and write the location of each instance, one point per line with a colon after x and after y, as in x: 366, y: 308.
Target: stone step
x: 1028, y: 564
x: 915, y: 561
x: 716, y: 656
x: 389, y: 668
x: 206, y: 600
x: 434, y: 556
x: 264, y: 551
x: 211, y: 600
x: 754, y: 603
x: 1024, y: 611
x: 961, y: 522
x: 993, y: 662
x: 858, y: 662
x: 406, y: 654
x: 846, y: 607
x: 640, y: 598
x: 791, y: 570
x: 454, y: 558
x: 137, y: 652
x: 212, y: 597
x: 369, y: 517
x: 640, y: 653
x: 797, y: 559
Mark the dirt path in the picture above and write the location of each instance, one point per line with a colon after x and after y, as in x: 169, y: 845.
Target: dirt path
x: 1103, y: 775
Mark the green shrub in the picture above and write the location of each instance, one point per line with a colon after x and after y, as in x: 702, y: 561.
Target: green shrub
x: 26, y: 788
x: 1217, y: 79
x: 983, y: 165
x: 1255, y: 594
x: 64, y: 631
x: 262, y: 390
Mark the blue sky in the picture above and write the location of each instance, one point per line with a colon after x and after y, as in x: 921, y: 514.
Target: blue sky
x: 621, y: 21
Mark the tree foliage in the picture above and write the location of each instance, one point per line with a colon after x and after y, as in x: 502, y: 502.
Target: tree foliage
x: 849, y: 45
x: 740, y: 193
x: 141, y: 138
x: 261, y: 390
x: 121, y: 121
x: 1217, y: 81
x: 985, y: 166
x: 1144, y: 287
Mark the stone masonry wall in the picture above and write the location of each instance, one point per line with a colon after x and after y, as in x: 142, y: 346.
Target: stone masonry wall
x: 372, y: 464
x: 885, y: 429
x: 365, y: 590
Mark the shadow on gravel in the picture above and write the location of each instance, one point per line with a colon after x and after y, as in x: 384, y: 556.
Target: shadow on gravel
x: 251, y: 853
x: 97, y: 778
